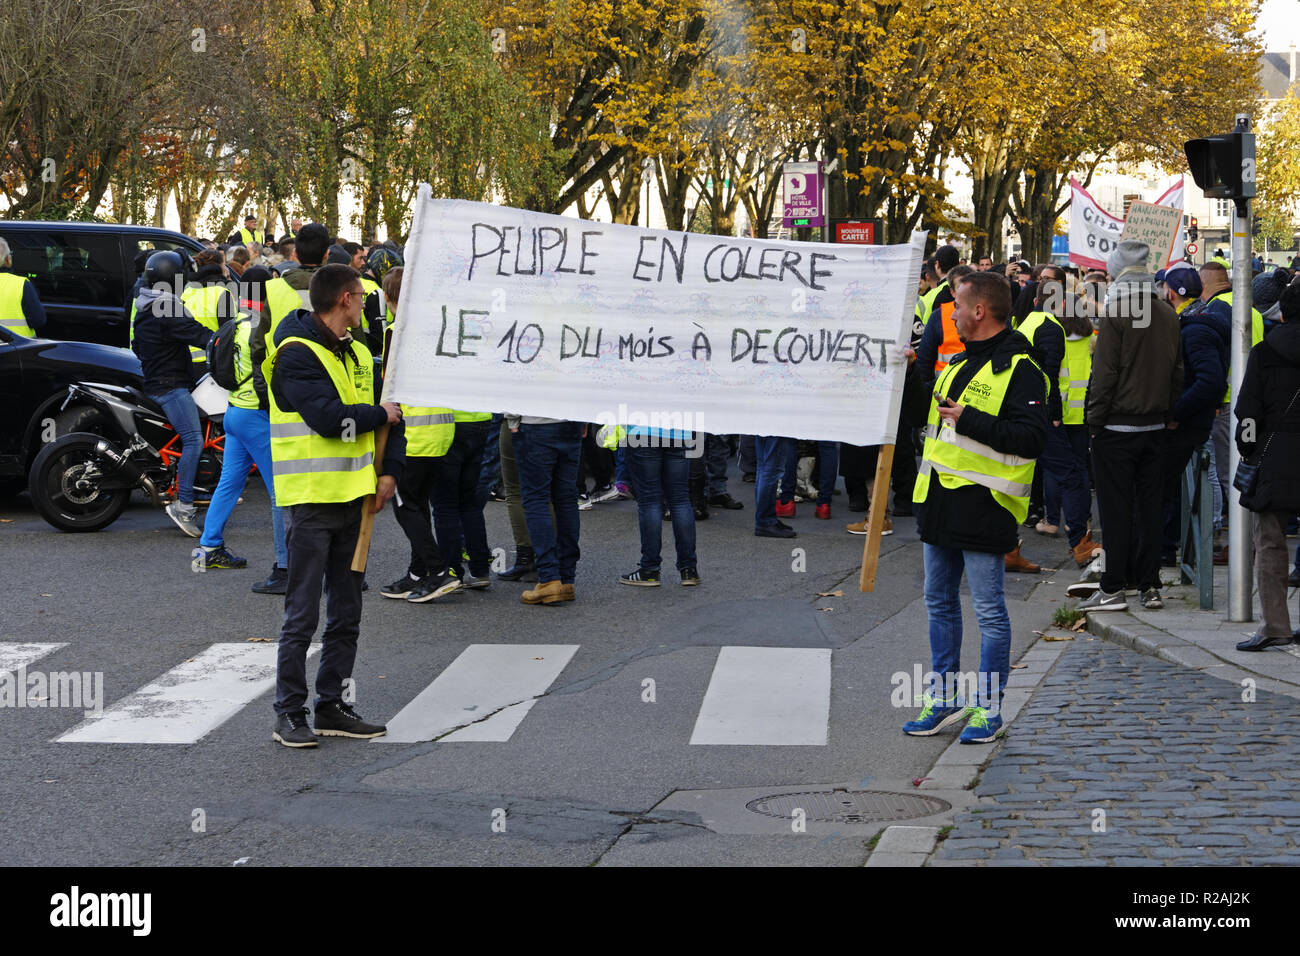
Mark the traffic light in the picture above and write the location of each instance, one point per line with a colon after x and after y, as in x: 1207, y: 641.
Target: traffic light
x: 1223, y: 166
x: 1192, y: 231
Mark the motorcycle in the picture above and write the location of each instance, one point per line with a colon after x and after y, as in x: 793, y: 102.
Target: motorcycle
x: 122, y: 440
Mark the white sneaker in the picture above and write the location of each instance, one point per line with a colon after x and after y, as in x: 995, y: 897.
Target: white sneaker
x: 608, y: 493
x: 585, y: 503
x: 184, y: 516
x: 1050, y: 530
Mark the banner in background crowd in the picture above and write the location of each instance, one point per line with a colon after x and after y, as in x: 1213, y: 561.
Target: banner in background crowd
x: 1094, y: 232
x: 506, y: 310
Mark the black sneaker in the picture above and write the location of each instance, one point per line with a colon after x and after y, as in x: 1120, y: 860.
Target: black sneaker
x: 292, y: 730
x: 690, y: 578
x: 776, y: 531
x: 435, y: 586
x: 748, y: 479
x: 277, y: 583
x: 496, y: 493
x: 219, y: 557
x: 1032, y: 519
x: 337, y: 719
x: 476, y: 583
x: 641, y: 578
x: 726, y: 501
x: 401, y: 588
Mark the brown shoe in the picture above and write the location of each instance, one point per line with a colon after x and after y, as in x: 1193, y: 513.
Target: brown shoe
x: 566, y: 592
x: 1221, y: 556
x: 1085, y: 550
x: 860, y: 527
x: 1015, y: 562
x: 547, y: 592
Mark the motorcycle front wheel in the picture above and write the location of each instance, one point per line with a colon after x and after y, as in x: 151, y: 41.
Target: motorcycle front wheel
x: 67, y: 485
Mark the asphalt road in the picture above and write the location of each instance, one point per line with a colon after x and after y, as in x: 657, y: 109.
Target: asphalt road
x: 583, y: 777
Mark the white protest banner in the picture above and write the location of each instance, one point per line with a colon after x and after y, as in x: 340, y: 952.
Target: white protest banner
x: 1093, y: 231
x: 1173, y: 196
x: 1157, y: 226
x: 508, y: 310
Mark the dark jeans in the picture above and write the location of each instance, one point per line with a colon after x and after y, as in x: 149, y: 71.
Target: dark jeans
x: 491, y: 472
x: 1128, y: 467
x: 1064, y: 463
x: 321, y: 540
x: 771, y: 454
x: 415, y: 491
x: 595, y: 461
x: 717, y: 449
x: 547, y: 456
x: 457, y: 510
x: 1180, y: 445
x: 659, y: 475
x: 184, y: 417
x: 746, y: 457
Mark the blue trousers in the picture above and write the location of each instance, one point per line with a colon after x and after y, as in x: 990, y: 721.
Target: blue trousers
x: 547, y: 456
x: 828, y: 463
x: 662, y: 474
x: 1065, y: 479
x: 248, y: 441
x: 984, y: 574
x: 184, y: 417
x: 771, y: 453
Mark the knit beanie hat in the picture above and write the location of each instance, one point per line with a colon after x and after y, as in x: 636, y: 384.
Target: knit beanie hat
x: 1267, y: 288
x: 1130, y: 254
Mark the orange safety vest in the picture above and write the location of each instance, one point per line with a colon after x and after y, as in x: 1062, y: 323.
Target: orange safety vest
x: 951, y: 345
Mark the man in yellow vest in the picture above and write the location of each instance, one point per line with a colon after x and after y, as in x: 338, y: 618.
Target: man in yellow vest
x: 20, y: 307
x: 208, y: 298
x: 1062, y: 331
x: 987, y: 423
x: 323, y: 423
x: 248, y: 234
x: 290, y: 291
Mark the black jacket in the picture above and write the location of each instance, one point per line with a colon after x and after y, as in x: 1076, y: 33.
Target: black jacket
x: 1205, y: 367
x: 969, y: 518
x: 164, y: 332
x: 1272, y: 379
x: 301, y: 384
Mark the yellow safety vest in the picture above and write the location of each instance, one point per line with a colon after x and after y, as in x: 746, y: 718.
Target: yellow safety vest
x: 12, y: 316
x: 1076, y: 368
x: 472, y: 416
x: 925, y: 304
x: 281, y: 300
x: 245, y: 396
x: 203, y: 304
x: 310, y: 468
x: 1256, y: 335
x: 961, y: 460
x: 1034, y: 321
x: 429, y: 431
x: 248, y: 237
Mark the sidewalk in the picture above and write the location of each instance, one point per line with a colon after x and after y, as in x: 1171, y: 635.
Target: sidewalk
x: 1149, y: 742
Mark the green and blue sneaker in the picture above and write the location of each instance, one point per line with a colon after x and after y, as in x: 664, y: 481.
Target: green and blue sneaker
x: 983, y: 727
x: 935, y: 715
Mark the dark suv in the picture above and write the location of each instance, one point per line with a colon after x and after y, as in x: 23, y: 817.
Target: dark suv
x: 83, y: 272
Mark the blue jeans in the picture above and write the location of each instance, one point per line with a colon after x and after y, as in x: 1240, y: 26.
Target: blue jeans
x: 248, y: 440
x: 1065, y: 479
x: 772, y: 454
x: 663, y: 474
x: 547, y: 456
x: 184, y: 417
x: 984, y: 574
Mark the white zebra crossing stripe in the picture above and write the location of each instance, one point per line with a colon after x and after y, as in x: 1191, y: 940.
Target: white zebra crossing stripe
x: 503, y: 680
x: 189, y: 701
x: 767, y: 695
x: 14, y: 656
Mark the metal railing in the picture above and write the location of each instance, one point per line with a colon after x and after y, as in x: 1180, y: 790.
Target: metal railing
x: 1197, y: 534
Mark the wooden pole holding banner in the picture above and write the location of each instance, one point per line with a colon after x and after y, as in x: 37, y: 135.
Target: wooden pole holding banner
x: 362, y: 553
x: 876, y: 518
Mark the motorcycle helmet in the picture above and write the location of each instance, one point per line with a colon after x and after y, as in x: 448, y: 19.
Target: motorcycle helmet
x: 164, y: 267
x: 381, y: 260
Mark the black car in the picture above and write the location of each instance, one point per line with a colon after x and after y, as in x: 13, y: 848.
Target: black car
x: 34, y: 379
x: 84, y: 271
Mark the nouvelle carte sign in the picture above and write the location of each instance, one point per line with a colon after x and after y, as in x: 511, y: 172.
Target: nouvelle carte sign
x: 508, y: 310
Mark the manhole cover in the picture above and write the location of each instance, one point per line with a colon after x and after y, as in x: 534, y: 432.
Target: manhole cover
x: 849, y: 806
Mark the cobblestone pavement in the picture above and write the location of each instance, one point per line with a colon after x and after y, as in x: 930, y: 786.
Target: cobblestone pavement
x: 1185, y: 770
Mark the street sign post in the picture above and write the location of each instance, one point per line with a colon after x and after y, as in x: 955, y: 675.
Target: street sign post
x: 801, y: 196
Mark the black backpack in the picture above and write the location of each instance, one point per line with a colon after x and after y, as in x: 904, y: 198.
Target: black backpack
x: 221, y: 356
